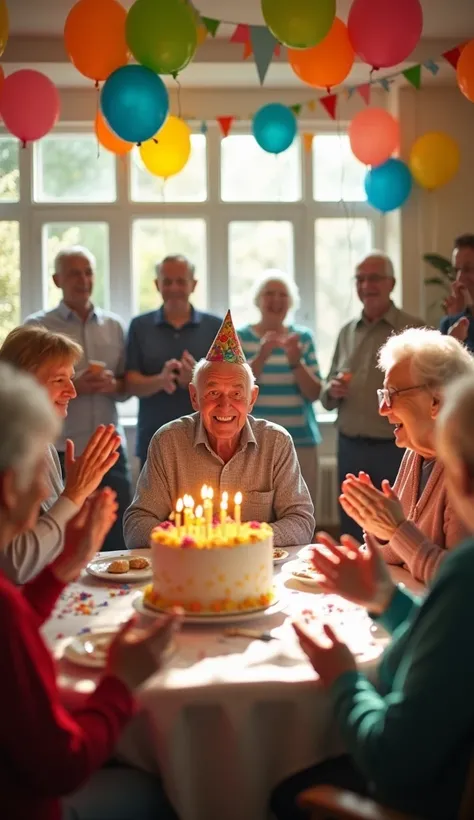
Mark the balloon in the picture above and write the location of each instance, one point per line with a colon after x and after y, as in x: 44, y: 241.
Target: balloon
x: 299, y: 23
x: 169, y: 151
x: 94, y: 36
x: 388, y: 186
x: 29, y: 104
x: 274, y: 127
x: 4, y: 26
x: 162, y: 35
x: 108, y: 139
x: 134, y: 101
x: 329, y: 62
x: 374, y: 136
x: 434, y: 159
x: 385, y: 32
x: 465, y: 71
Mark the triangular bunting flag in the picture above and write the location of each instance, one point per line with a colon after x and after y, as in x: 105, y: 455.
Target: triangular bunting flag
x: 211, y: 25
x: 452, y: 56
x: 350, y: 92
x: 329, y: 103
x: 365, y: 91
x: 225, y: 124
x: 263, y: 45
x: 431, y: 66
x: 311, y: 105
x: 241, y: 34
x: 247, y: 50
x: 203, y: 128
x: 413, y: 75
x: 296, y: 109
x: 226, y: 346
x: 307, y: 141
x: 277, y: 50
x: 202, y: 33
x: 385, y: 82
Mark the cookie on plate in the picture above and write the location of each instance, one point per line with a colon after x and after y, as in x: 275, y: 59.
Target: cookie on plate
x: 118, y: 567
x: 139, y: 563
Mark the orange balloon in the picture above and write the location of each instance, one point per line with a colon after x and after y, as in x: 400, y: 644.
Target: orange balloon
x: 329, y: 62
x: 465, y: 71
x: 108, y: 139
x: 374, y: 136
x: 94, y: 36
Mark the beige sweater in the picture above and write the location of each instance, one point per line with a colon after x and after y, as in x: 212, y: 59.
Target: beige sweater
x: 432, y: 526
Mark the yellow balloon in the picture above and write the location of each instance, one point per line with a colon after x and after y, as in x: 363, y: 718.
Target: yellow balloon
x: 434, y: 159
x: 4, y: 26
x: 168, y: 152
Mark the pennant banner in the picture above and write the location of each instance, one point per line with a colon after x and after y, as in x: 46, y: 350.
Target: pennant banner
x: 263, y: 46
x: 307, y: 141
x: 452, y: 56
x: 211, y: 25
x: 225, y: 124
x: 365, y: 92
x: 330, y: 104
x: 413, y: 75
x: 241, y: 34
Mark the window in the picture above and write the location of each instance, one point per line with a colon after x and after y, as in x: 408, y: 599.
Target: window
x: 254, y: 247
x: 339, y: 245
x: 153, y: 239
x: 73, y: 168
x: 249, y: 174
x: 9, y: 170
x: 92, y: 235
x: 188, y: 186
x: 337, y: 174
x: 9, y: 277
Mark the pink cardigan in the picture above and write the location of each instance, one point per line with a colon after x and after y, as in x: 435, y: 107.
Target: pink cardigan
x: 432, y: 526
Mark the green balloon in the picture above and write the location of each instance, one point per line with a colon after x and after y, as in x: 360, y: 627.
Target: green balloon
x: 299, y: 23
x: 162, y: 34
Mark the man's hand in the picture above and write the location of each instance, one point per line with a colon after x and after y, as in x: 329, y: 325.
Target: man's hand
x: 88, y: 382
x: 109, y: 383
x: 329, y: 657
x: 460, y: 329
x: 84, y: 474
x: 169, y: 375
x: 188, y: 363
x: 458, y: 300
x: 339, y: 387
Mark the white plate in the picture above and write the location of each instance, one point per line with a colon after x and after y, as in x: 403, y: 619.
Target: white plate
x: 282, y: 557
x: 227, y: 618
x: 98, y: 568
x: 91, y: 648
x: 299, y: 571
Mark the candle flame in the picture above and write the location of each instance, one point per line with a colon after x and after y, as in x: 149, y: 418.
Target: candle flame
x: 204, y: 491
x: 179, y: 505
x: 225, y: 496
x: 199, y: 511
x: 238, y: 498
x: 223, y: 504
x: 210, y: 493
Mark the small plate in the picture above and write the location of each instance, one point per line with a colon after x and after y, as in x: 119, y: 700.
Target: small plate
x: 304, y: 576
x: 279, y: 555
x: 91, y: 648
x: 99, y: 568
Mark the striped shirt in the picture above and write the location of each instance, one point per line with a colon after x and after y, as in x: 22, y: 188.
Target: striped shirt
x: 280, y: 399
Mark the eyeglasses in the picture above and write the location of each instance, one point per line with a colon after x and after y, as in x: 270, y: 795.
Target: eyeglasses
x: 386, y: 394
x: 370, y: 278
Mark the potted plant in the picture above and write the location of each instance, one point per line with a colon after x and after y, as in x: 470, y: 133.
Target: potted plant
x: 446, y: 273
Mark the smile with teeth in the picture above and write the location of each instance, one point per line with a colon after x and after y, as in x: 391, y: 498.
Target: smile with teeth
x: 224, y: 418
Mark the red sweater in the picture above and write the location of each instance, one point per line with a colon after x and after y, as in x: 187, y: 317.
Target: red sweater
x: 45, y: 752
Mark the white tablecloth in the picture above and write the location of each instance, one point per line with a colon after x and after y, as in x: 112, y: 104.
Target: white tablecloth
x: 225, y: 716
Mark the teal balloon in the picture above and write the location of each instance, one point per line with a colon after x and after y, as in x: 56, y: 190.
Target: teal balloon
x: 274, y: 127
x: 389, y: 185
x: 162, y: 34
x: 134, y: 102
x: 299, y: 23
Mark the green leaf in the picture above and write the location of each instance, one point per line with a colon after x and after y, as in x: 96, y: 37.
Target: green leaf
x: 440, y: 263
x: 435, y: 280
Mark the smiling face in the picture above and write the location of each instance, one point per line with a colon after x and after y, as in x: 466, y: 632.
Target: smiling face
x: 175, y: 282
x: 413, y: 412
x: 274, y: 302
x: 56, y: 378
x: 75, y: 277
x: 224, y: 397
x: 374, y: 286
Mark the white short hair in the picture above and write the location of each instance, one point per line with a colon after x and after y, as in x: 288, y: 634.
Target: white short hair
x: 276, y: 275
x: 74, y: 250
x: 435, y: 359
x: 203, y: 364
x: 456, y: 418
x: 28, y: 423
x: 386, y: 261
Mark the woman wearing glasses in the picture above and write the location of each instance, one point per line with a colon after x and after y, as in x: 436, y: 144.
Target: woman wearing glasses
x: 414, y: 522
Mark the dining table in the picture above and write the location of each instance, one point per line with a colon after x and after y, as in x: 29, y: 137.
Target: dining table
x: 226, y: 716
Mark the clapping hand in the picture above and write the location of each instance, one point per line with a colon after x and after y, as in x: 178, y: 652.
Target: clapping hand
x: 84, y: 474
x: 329, y: 657
x: 377, y: 512
x: 270, y: 341
x: 188, y: 363
x: 170, y: 375
x: 460, y: 329
x: 92, y: 382
x: 293, y: 348
x: 458, y: 300
x: 109, y: 383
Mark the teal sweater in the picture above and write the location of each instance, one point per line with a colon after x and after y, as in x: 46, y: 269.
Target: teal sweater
x: 414, y: 736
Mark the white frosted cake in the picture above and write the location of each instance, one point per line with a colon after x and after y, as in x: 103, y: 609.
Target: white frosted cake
x: 214, y: 570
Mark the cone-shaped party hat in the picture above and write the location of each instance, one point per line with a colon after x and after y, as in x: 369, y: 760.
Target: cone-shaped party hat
x: 226, y: 346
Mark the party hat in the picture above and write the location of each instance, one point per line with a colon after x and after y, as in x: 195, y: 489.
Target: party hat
x: 226, y: 346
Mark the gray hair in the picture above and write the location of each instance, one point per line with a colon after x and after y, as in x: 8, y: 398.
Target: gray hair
x: 203, y: 364
x: 387, y: 263
x: 176, y: 257
x: 74, y: 250
x: 276, y: 275
x: 456, y: 416
x: 435, y: 359
x: 28, y: 423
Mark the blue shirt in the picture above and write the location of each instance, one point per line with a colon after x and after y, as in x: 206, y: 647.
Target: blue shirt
x: 280, y: 399
x: 448, y: 321
x: 152, y: 341
x: 102, y: 337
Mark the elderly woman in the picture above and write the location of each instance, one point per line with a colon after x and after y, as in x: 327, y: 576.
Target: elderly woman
x: 46, y: 751
x: 415, y: 521
x: 50, y: 358
x: 283, y: 359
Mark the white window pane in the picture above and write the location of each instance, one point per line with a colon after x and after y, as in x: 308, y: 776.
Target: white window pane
x: 9, y: 170
x: 92, y: 235
x: 249, y: 174
x: 153, y: 239
x: 190, y: 185
x: 340, y: 244
x: 254, y: 247
x: 73, y: 168
x: 9, y: 277
x: 337, y: 174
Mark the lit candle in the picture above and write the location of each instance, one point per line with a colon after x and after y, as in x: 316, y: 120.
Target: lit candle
x: 188, y: 504
x: 179, y: 510
x: 223, y: 516
x: 207, y: 495
x: 237, y: 509
x: 199, y: 520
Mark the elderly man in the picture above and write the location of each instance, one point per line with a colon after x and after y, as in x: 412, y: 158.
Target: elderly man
x: 99, y: 382
x: 459, y: 304
x: 365, y: 440
x: 163, y: 347
x: 221, y: 445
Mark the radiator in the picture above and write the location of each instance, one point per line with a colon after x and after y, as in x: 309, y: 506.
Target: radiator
x: 327, y: 508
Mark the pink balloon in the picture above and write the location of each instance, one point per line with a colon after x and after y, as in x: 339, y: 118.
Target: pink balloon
x: 29, y: 104
x: 385, y: 32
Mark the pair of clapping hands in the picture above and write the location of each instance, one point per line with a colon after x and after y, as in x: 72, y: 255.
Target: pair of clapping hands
x: 178, y: 372
x: 289, y: 342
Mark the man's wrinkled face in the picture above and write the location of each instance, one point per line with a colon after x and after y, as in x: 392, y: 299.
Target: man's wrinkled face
x: 175, y: 283
x: 224, y: 397
x: 373, y: 285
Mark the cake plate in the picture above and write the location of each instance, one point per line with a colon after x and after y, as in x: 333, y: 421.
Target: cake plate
x: 215, y: 618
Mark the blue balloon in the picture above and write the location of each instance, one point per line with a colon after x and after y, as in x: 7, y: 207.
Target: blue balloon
x: 135, y: 103
x: 389, y: 185
x: 274, y: 127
